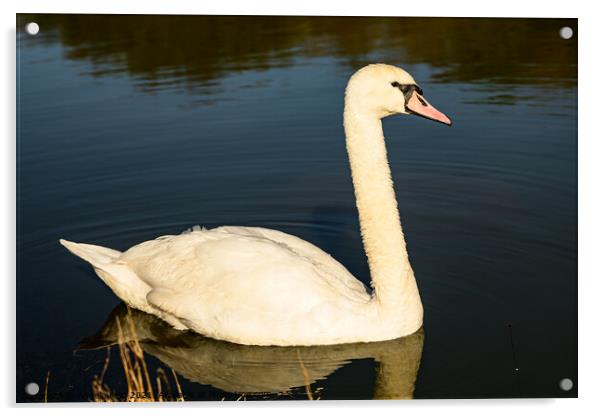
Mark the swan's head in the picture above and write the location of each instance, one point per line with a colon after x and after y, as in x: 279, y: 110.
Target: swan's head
x: 382, y: 90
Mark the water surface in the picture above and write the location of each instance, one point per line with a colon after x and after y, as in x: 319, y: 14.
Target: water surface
x: 132, y: 127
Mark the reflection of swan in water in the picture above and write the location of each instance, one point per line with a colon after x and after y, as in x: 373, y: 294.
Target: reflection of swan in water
x: 258, y: 286
x: 253, y: 369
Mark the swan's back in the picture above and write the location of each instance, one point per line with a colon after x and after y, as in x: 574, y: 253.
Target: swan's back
x: 238, y: 252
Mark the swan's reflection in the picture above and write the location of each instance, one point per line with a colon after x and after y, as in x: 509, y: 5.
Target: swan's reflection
x: 250, y: 369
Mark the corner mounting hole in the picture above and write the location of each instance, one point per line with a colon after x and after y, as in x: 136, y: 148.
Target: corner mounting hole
x: 32, y: 389
x: 32, y: 28
x: 566, y: 384
x: 566, y: 32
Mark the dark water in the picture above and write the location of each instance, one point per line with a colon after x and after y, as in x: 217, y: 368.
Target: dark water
x: 132, y: 127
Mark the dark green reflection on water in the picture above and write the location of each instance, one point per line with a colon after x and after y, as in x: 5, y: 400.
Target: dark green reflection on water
x: 191, y: 51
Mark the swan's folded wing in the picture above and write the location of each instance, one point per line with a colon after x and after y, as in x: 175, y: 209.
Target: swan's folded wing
x: 327, y: 265
x: 179, y: 261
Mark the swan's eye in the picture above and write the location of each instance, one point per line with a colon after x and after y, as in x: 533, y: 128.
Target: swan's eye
x: 404, y: 88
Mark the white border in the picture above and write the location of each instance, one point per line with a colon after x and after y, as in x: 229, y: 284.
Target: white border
x: 510, y: 8
x: 590, y: 196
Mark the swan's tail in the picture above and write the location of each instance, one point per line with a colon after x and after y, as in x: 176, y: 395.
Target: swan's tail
x: 122, y: 280
x: 97, y: 256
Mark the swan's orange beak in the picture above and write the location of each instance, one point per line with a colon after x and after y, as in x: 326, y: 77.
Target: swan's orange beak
x: 419, y: 106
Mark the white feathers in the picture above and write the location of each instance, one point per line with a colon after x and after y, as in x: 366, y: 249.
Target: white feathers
x: 193, y: 228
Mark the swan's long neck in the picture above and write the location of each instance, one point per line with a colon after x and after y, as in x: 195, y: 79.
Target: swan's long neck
x: 392, y: 277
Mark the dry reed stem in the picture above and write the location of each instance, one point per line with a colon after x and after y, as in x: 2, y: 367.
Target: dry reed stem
x: 100, y: 391
x: 140, y: 388
x: 46, y: 387
x: 139, y: 385
x: 305, y: 377
x: 180, y: 397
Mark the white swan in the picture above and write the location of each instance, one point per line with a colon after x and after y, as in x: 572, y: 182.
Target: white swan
x: 258, y: 286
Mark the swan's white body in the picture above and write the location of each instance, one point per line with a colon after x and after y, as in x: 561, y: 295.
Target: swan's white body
x: 259, y: 286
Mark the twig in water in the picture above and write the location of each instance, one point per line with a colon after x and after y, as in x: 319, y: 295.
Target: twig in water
x: 46, y: 387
